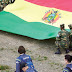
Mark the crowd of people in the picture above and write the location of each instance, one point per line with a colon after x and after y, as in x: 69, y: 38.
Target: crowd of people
x: 64, y: 39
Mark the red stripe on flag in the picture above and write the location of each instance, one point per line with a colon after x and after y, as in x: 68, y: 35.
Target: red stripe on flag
x: 59, y: 4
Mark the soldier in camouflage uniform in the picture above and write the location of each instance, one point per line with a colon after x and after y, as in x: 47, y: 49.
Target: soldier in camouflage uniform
x: 62, y: 40
x: 4, y: 3
x: 70, y: 37
x: 1, y: 5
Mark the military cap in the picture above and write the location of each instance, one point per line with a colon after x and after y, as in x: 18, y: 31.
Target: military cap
x: 70, y: 26
x: 62, y: 25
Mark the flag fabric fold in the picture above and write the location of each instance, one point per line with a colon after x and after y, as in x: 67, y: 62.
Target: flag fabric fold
x: 38, y: 19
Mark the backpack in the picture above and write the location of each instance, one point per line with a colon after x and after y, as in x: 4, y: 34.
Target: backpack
x: 69, y: 69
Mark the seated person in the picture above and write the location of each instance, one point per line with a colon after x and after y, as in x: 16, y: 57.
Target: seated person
x: 24, y: 62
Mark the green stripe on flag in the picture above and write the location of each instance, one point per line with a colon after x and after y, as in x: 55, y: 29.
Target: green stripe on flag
x: 11, y: 23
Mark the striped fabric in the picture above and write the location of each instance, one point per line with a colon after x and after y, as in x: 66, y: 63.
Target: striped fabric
x: 39, y: 19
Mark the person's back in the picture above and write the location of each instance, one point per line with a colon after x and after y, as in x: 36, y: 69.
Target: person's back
x: 24, y: 61
x: 68, y: 68
x: 27, y: 60
x: 62, y: 40
x: 64, y: 35
x: 19, y: 64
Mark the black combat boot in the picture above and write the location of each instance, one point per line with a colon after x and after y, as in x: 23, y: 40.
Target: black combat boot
x: 70, y: 48
x: 67, y: 51
x: 58, y: 51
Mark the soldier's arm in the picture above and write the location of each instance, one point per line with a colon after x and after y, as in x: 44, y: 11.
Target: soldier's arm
x: 58, y: 38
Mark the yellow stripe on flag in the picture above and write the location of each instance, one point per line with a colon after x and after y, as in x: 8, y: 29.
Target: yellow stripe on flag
x: 34, y: 13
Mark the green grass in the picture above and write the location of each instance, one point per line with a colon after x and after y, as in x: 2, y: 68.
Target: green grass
x: 6, y: 71
x: 41, y: 58
x: 32, y: 58
x: 1, y: 49
x: 45, y: 58
x: 13, y: 50
x: 4, y: 67
x: 28, y: 50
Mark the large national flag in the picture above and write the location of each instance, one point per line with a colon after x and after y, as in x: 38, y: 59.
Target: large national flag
x: 39, y: 19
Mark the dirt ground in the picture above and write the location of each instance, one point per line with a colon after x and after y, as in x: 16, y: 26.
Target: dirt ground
x: 41, y: 51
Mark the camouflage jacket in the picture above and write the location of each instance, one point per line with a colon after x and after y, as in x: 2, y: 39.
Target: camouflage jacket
x: 63, y: 35
x: 70, y: 35
x: 4, y: 3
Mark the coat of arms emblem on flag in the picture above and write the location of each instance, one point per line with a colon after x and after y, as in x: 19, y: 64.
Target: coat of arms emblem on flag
x: 51, y: 16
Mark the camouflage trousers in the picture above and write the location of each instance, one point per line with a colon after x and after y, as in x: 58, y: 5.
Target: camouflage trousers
x: 70, y: 44
x: 62, y: 44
